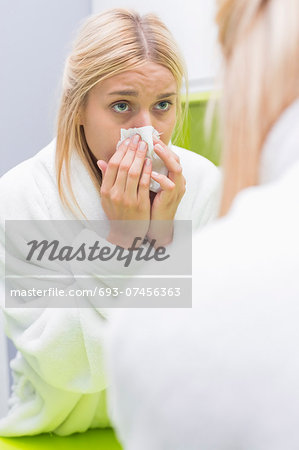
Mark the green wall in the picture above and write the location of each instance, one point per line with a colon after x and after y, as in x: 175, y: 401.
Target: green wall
x: 194, y: 135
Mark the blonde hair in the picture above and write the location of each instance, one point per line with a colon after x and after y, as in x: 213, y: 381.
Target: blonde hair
x: 260, y: 45
x: 108, y: 44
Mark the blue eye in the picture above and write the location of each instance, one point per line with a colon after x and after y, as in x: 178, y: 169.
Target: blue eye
x: 163, y: 106
x: 120, y: 107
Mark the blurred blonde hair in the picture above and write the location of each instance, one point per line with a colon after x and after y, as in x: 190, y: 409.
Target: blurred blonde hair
x: 107, y: 44
x: 260, y: 46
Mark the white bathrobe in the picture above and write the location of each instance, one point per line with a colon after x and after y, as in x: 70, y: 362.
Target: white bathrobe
x: 224, y: 375
x: 59, y: 377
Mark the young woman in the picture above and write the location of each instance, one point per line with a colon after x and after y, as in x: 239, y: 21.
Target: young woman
x: 125, y: 71
x: 224, y: 375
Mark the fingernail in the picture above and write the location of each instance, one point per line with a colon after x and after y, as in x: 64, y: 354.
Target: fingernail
x: 147, y: 162
x: 136, y: 139
x: 142, y: 145
x: 100, y: 167
x: 123, y: 143
x: 155, y: 173
x: 159, y: 147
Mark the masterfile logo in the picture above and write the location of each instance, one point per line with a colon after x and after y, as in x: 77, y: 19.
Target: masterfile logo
x: 53, y: 251
x: 73, y: 264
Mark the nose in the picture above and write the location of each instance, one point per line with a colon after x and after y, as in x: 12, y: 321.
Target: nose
x: 142, y: 119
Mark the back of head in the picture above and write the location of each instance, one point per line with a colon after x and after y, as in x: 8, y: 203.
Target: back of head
x: 260, y: 46
x: 108, y: 44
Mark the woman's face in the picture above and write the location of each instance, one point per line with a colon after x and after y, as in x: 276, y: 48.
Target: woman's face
x: 137, y: 98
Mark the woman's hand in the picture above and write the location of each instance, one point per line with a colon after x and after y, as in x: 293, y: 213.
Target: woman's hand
x: 125, y: 192
x: 168, y: 199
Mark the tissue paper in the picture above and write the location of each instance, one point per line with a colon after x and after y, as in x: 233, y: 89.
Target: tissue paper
x: 146, y: 134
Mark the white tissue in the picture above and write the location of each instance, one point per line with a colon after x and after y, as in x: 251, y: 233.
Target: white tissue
x: 146, y: 134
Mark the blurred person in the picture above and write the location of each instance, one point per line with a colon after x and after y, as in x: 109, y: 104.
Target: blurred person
x: 224, y: 374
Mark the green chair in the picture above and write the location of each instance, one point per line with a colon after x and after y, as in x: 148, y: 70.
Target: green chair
x: 99, y: 439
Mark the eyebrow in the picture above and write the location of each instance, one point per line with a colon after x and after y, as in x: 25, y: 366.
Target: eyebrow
x: 135, y: 94
x: 168, y: 94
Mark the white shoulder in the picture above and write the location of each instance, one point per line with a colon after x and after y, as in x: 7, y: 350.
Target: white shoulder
x: 200, y: 173
x: 203, y: 185
x: 192, y: 161
x: 45, y: 156
x: 22, y: 186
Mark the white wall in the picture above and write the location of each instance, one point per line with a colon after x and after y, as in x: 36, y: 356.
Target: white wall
x: 192, y: 24
x: 35, y: 37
